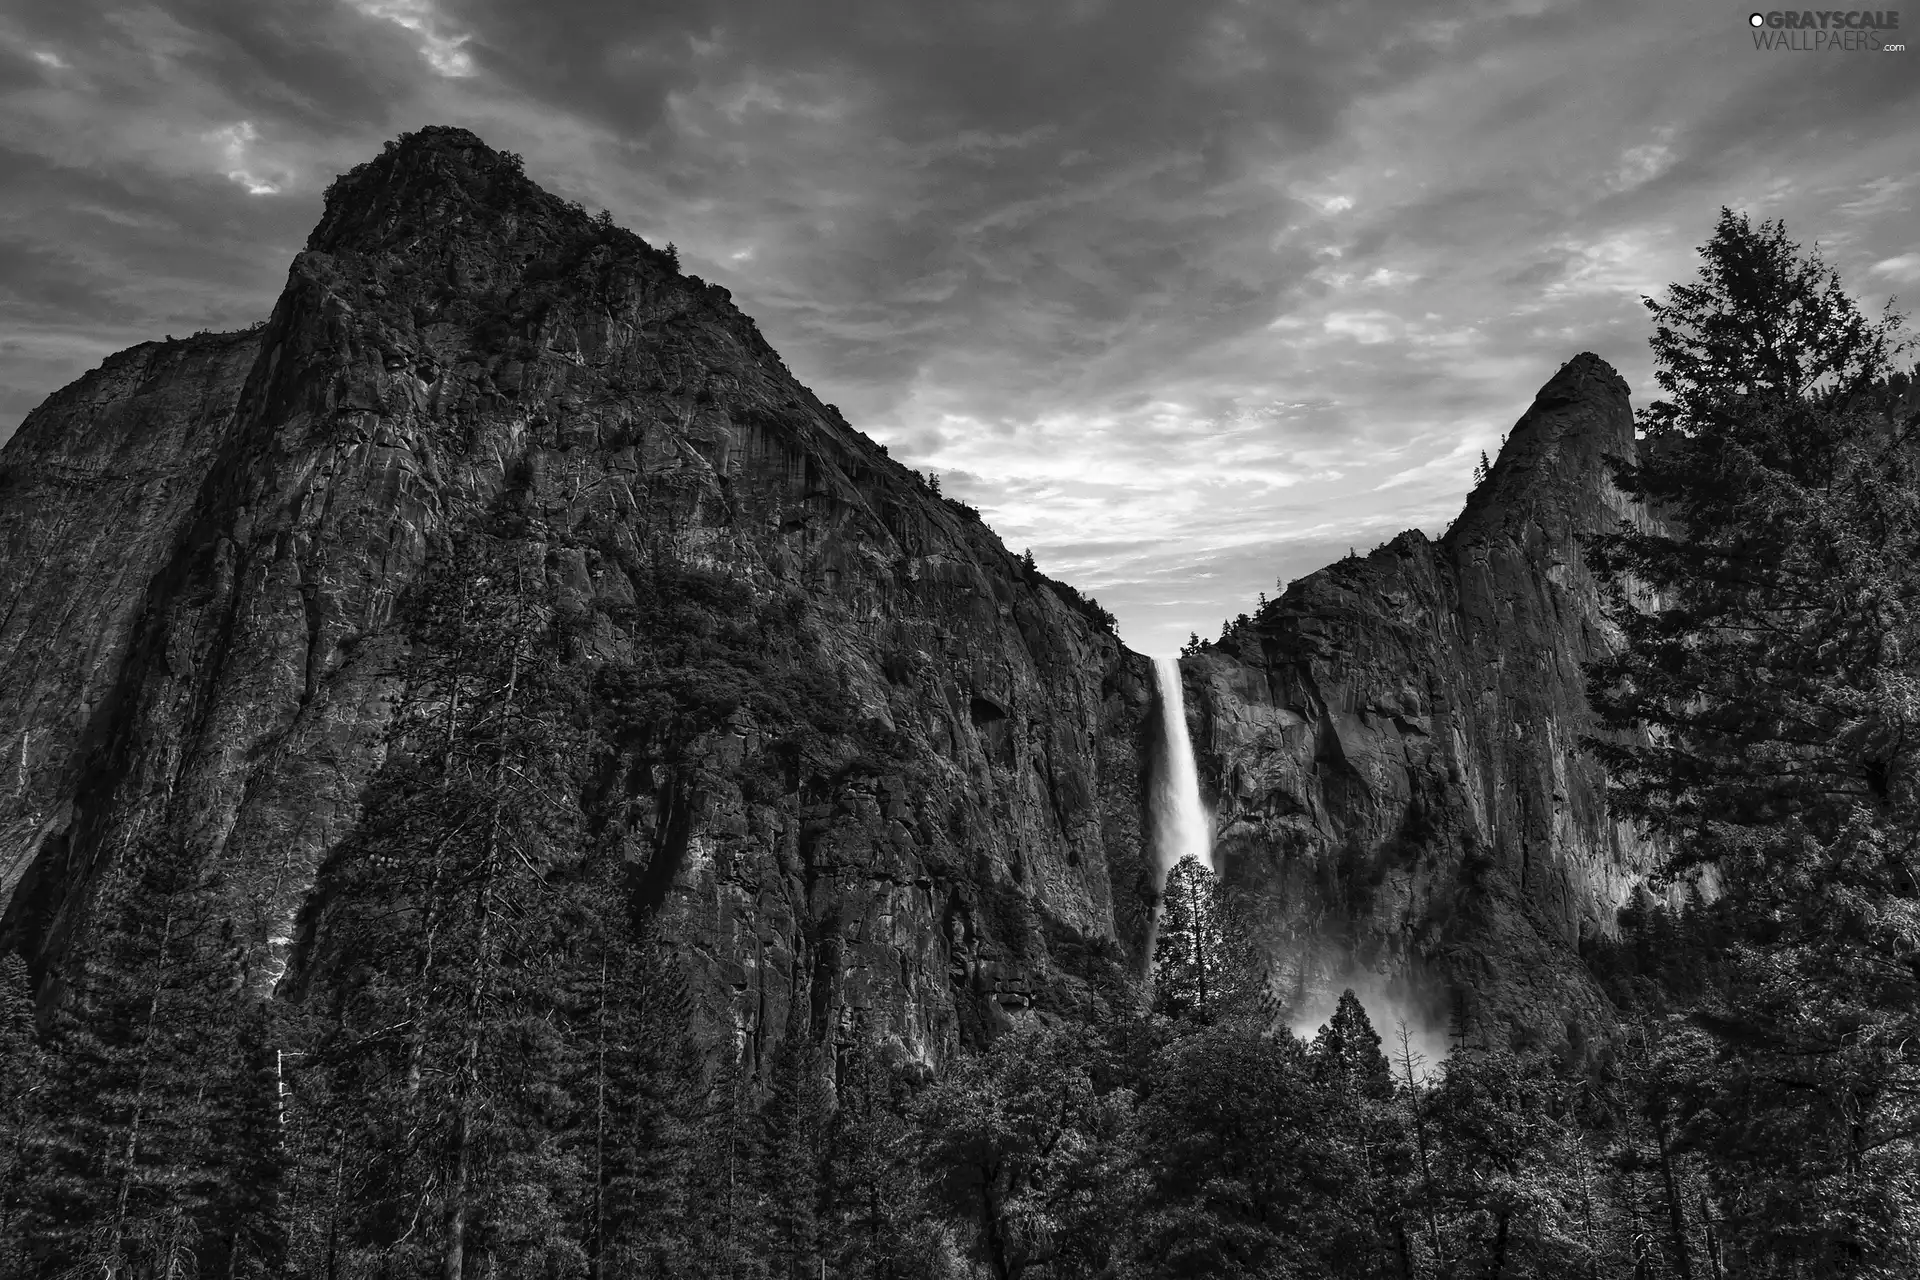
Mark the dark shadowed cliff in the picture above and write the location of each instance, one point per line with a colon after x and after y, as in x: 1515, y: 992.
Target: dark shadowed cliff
x: 916, y: 792
x: 857, y: 758
x: 1393, y: 747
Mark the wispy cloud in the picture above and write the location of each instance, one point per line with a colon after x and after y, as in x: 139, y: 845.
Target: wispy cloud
x: 443, y: 50
x: 244, y: 165
x: 1904, y: 268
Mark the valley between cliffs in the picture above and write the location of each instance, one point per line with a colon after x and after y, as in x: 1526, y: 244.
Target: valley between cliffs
x: 215, y: 553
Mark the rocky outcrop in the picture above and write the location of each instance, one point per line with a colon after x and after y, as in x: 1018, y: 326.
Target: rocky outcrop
x: 211, y: 547
x: 1393, y: 748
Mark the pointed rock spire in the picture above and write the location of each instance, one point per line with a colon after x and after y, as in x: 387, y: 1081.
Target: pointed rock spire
x: 1553, y: 468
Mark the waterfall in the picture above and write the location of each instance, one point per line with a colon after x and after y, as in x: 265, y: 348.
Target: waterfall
x: 1180, y: 824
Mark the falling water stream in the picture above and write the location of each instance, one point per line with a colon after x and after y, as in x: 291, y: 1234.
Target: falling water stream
x: 1180, y: 825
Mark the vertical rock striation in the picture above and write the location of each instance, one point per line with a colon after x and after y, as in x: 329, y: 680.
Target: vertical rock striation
x: 1393, y: 747
x: 211, y: 549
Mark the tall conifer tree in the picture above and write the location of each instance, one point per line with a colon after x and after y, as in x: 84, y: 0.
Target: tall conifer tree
x: 1191, y: 947
x: 23, y: 1080
x: 1770, y: 641
x: 445, y: 1045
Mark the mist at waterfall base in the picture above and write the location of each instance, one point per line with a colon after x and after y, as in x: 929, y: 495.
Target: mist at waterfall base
x: 1386, y: 1010
x: 1181, y: 827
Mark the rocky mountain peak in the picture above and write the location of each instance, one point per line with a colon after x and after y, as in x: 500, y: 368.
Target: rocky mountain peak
x: 438, y: 180
x: 1393, y: 749
x: 456, y: 219
x: 1552, y: 470
x: 854, y: 749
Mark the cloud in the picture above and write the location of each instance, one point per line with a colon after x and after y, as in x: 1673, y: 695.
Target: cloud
x: 1364, y: 327
x: 1189, y: 298
x: 1625, y: 262
x: 443, y: 51
x: 1330, y: 204
x: 1905, y: 268
x: 237, y: 150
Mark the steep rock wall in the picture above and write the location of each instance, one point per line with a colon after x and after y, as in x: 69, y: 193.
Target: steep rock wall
x: 95, y: 490
x: 213, y: 546
x: 1392, y: 749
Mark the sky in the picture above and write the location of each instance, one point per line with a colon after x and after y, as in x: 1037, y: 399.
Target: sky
x: 1188, y: 298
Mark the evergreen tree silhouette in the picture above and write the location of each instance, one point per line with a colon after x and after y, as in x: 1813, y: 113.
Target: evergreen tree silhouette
x: 1191, y: 947
x: 1768, y: 635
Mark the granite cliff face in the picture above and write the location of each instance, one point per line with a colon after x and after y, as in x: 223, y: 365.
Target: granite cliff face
x: 1392, y: 748
x: 95, y: 489
x: 210, y: 550
x: 214, y: 552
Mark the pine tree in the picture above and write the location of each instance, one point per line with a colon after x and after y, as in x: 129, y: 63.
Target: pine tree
x: 1366, y: 1134
x: 444, y: 941
x: 247, y: 1223
x: 788, y: 1155
x: 325, y: 1154
x: 1027, y: 1153
x: 1508, y: 1176
x: 1661, y: 1071
x: 664, y: 1206
x: 141, y: 1084
x: 1190, y: 948
x: 1769, y: 637
x: 23, y: 1080
x: 1783, y: 583
x: 879, y: 1224
x: 1347, y: 1055
x: 1248, y: 1171
x: 1414, y: 1095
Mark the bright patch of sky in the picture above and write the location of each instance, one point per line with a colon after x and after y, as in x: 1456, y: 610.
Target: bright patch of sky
x: 444, y: 51
x: 236, y: 152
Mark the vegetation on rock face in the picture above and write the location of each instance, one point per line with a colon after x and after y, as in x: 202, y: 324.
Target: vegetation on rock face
x: 1069, y: 595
